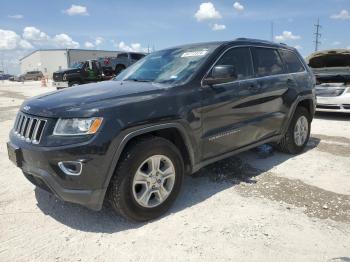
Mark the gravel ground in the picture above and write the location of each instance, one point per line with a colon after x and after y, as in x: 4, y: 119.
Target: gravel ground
x: 255, y: 206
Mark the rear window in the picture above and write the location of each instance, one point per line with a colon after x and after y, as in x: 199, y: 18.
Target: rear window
x: 267, y: 62
x: 292, y: 61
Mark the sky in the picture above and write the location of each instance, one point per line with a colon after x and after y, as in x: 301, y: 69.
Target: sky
x: 144, y: 25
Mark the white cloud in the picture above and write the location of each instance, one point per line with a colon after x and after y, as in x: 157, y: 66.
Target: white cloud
x: 76, y: 10
x: 17, y: 16
x: 64, y: 41
x: 99, y: 40
x: 207, y: 11
x: 287, y: 35
x: 343, y: 15
x: 134, y: 47
x: 299, y: 47
x: 218, y: 27
x: 336, y: 43
x: 10, y: 40
x: 89, y: 45
x: 238, y: 6
x: 34, y: 34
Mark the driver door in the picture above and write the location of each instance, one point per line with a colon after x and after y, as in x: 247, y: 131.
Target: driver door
x: 224, y: 120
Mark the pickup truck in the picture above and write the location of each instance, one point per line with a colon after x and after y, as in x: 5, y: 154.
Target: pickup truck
x: 89, y: 71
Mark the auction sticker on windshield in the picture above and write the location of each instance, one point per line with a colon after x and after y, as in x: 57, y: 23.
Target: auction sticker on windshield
x: 195, y: 53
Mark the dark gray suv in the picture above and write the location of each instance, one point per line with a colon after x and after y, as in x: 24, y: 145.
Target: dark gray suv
x: 133, y: 139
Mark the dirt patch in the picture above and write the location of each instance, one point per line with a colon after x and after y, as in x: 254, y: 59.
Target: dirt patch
x: 12, y: 94
x: 316, y: 202
x: 252, y: 182
x: 335, y: 145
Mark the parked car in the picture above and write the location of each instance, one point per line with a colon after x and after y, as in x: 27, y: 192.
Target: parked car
x: 332, y: 71
x: 30, y: 76
x: 121, y: 61
x: 5, y: 76
x: 132, y: 140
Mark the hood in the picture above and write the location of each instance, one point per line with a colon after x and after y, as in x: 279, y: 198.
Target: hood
x: 90, y: 99
x: 68, y: 70
x: 331, y: 65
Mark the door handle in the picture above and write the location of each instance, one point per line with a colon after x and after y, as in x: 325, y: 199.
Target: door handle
x: 254, y: 87
x: 290, y: 82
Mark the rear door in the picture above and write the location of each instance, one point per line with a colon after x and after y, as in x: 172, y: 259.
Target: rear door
x: 274, y: 81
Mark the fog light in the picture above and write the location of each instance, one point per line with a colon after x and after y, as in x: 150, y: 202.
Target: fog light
x: 71, y: 168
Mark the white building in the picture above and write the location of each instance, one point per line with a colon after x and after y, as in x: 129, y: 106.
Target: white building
x: 50, y: 60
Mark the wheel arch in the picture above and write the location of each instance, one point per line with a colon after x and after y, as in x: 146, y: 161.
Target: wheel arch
x: 306, y: 101
x: 174, y: 132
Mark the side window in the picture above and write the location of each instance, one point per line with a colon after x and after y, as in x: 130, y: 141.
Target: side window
x: 267, y: 62
x: 292, y: 61
x: 240, y: 59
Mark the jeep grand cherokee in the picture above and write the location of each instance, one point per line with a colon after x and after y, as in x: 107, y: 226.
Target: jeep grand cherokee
x: 133, y: 139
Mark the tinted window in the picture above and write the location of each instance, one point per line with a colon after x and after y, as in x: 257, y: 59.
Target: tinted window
x: 240, y: 59
x: 292, y: 61
x: 136, y: 56
x: 123, y: 55
x: 267, y: 62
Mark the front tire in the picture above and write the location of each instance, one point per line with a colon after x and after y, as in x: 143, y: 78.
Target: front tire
x: 147, y: 180
x: 298, y: 133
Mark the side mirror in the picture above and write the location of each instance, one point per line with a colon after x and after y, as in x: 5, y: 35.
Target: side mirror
x: 221, y: 74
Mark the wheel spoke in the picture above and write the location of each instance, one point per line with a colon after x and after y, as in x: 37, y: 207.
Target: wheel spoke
x: 141, y: 177
x: 167, y: 172
x: 145, y: 197
x: 155, y: 163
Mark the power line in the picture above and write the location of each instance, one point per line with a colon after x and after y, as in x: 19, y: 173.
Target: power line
x: 317, y: 35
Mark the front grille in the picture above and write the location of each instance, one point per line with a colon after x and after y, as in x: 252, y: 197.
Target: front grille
x: 57, y: 77
x: 330, y: 92
x: 29, y: 128
x: 328, y: 106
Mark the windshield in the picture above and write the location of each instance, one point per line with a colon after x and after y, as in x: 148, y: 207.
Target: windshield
x: 78, y: 65
x: 171, y: 65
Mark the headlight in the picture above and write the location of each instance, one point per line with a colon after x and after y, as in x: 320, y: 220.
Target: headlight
x: 77, y: 126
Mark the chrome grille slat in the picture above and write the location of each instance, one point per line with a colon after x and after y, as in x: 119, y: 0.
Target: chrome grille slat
x: 29, y: 128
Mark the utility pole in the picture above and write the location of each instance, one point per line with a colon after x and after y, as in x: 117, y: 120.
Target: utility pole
x: 317, y: 35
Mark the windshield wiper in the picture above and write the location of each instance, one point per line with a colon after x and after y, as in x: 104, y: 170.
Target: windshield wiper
x: 137, y: 80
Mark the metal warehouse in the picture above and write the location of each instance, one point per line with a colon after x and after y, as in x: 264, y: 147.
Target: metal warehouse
x: 50, y: 60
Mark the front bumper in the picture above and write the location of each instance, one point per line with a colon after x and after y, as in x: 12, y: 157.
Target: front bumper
x: 334, y: 104
x: 40, y: 166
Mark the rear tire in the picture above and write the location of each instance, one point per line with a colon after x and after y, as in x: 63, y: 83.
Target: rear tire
x: 298, y: 133
x: 127, y: 196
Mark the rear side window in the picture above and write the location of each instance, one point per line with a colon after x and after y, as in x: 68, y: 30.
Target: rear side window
x: 240, y: 59
x: 136, y: 56
x: 292, y: 61
x: 267, y: 62
x: 123, y: 55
